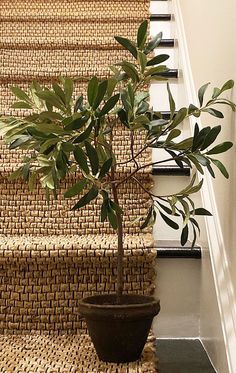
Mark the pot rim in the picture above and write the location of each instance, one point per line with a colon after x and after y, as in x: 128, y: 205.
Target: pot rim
x: 152, y: 302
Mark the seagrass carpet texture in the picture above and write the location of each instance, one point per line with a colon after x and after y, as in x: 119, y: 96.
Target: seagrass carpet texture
x: 51, y: 257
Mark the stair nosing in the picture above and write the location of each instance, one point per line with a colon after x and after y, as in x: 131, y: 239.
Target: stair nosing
x: 160, y: 17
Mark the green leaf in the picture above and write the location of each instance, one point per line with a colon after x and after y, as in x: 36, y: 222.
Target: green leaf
x: 192, y: 109
x: 76, y: 189
x: 130, y: 70
x: 102, y: 87
x: 111, y: 85
x: 165, y: 208
x: 201, y: 159
x: 52, y: 99
x: 221, y: 148
x: 105, y: 168
x: 184, y: 235
x: 142, y: 58
x: 210, y: 137
x: 25, y: 172
x: 196, y: 163
x: 179, y: 117
x: 158, y: 59
x: 67, y: 147
x: 68, y: 88
x: 61, y: 164
x: 59, y: 92
x: 19, y: 142
x: 216, y: 92
x: 221, y: 167
x: 128, y: 45
x: 112, y: 218
x: 19, y: 93
x: 156, y: 70
x: 104, y: 210
x: 201, y: 93
x: 153, y: 43
x: 78, y: 104
x: 202, y: 211
x: 142, y: 34
x: 116, y: 207
x: 21, y: 105
x: 81, y: 159
x: 214, y: 112
x: 77, y: 123
x: 50, y: 128
x: 199, y: 138
x: 109, y: 105
x: 48, y: 143
x: 169, y: 222
x: 50, y: 115
x: 228, y: 85
x: 84, y: 135
x: 173, y: 134
x: 92, y: 90
x: 86, y: 199
x: 171, y: 102
x: 148, y: 218
x: 32, y: 181
x: 210, y: 170
x: 93, y: 157
x: 16, y: 174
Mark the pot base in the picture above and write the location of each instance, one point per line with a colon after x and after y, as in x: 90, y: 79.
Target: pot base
x: 119, y: 331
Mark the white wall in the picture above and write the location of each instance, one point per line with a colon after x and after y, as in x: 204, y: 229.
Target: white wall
x: 210, y: 29
x: 178, y: 287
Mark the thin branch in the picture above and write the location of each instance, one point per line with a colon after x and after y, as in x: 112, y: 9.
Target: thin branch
x: 132, y: 149
x: 147, y: 165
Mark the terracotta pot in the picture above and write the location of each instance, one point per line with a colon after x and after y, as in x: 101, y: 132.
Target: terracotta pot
x: 119, y: 331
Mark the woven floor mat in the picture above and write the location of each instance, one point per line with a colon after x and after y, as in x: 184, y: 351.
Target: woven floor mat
x: 64, y: 354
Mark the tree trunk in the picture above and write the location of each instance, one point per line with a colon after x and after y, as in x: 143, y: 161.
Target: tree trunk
x: 120, y: 255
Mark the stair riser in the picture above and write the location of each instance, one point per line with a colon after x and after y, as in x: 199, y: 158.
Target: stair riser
x: 161, y: 26
x: 160, y: 7
x: 42, y: 294
x: 24, y: 212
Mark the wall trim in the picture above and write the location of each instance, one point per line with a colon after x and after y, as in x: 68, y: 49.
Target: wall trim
x: 226, y: 298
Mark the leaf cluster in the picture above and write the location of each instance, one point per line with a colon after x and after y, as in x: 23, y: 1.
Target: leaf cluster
x: 63, y: 135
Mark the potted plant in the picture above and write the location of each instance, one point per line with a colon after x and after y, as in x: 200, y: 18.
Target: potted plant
x: 63, y: 135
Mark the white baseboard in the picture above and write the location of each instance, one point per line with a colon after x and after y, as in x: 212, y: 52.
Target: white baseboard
x: 226, y: 298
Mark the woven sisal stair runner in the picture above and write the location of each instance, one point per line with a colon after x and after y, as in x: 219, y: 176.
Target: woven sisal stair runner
x: 50, y: 257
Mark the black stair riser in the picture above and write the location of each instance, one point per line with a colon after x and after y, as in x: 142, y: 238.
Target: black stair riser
x: 173, y: 249
x: 167, y: 43
x: 165, y: 115
x: 170, y: 170
x: 179, y: 253
x: 171, y: 73
x: 160, y: 17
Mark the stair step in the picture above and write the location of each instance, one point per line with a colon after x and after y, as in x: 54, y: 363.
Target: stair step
x: 181, y: 355
x: 65, y: 353
x: 173, y: 249
x: 160, y: 17
x: 42, y: 279
x: 170, y: 170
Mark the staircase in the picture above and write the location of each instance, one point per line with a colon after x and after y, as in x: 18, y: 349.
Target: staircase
x: 49, y: 256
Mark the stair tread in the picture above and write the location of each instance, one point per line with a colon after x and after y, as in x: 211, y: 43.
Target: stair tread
x: 65, y: 353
